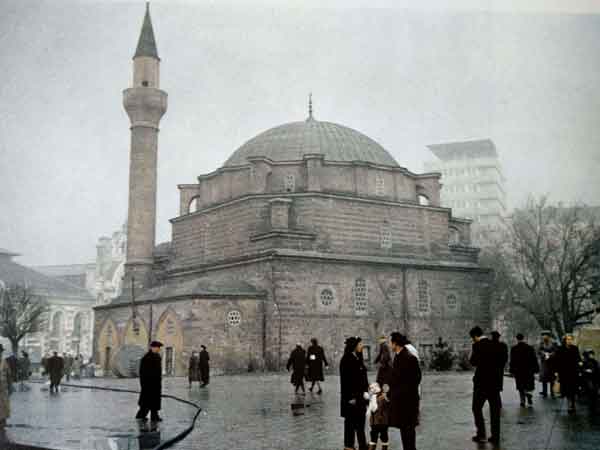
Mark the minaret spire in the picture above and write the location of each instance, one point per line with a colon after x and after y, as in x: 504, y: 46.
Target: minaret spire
x: 310, y: 107
x: 146, y: 43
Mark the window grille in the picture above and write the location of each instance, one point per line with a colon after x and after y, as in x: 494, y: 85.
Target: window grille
x: 423, y: 299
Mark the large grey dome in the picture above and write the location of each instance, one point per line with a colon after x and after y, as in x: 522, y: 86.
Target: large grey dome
x: 291, y: 141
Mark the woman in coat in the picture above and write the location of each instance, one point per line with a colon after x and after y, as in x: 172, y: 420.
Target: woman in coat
x: 566, y: 362
x: 523, y: 366
x: 354, y: 386
x: 203, y: 366
x: 297, y: 362
x: 316, y: 358
x: 194, y: 368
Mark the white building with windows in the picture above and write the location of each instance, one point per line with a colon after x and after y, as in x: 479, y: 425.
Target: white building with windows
x: 67, y: 327
x: 473, y: 184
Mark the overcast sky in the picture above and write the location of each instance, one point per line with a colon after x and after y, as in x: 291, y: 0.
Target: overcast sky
x: 526, y: 77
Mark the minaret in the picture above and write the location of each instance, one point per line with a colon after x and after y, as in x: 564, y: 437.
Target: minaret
x: 145, y: 104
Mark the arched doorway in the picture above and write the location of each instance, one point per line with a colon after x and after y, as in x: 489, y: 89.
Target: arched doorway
x: 108, y: 344
x: 171, y: 335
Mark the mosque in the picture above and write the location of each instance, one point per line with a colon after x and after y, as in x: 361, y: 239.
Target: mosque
x: 309, y: 229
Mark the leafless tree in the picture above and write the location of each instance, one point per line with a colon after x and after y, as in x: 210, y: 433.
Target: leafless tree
x: 21, y: 313
x: 549, y: 264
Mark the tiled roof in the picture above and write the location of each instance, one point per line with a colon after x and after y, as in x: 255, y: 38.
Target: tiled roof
x: 13, y: 273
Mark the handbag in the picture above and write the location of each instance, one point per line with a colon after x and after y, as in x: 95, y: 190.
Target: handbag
x: 556, y: 387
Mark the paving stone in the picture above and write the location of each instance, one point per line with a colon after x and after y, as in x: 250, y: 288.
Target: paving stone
x: 254, y: 412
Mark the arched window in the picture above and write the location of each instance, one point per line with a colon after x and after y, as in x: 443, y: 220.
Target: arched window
x: 289, y: 183
x: 77, y: 326
x: 57, y: 324
x: 193, y: 205
x: 423, y: 303
x: 423, y: 200
x: 453, y: 236
x: 385, y: 238
x: 452, y: 302
x: 327, y: 297
x: 359, y: 293
x: 379, y: 185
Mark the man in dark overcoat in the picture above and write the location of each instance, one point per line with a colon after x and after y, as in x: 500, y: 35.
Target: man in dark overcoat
x: 204, y: 366
x: 404, y: 391
x: 546, y: 352
x: 194, y: 368
x: 56, y: 368
x: 502, y: 349
x: 315, y: 357
x: 523, y: 366
x: 297, y: 362
x: 488, y: 360
x: 150, y: 383
x: 566, y: 362
x: 354, y: 385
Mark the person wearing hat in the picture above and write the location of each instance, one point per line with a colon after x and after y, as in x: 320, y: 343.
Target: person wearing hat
x: 297, y: 362
x: 354, y: 388
x: 151, y: 384
x: 4, y: 390
x: 523, y: 366
x: 56, y: 368
x: 546, y: 352
x: 488, y: 360
x: 502, y: 350
x: 404, y: 391
x: 384, y: 351
x: 204, y: 367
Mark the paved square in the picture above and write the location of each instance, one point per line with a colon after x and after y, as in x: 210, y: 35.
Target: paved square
x: 253, y: 412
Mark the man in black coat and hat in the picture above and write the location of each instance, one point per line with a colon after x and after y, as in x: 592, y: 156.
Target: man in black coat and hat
x: 489, y: 360
x: 56, y: 368
x: 404, y: 391
x: 150, y: 383
x: 523, y: 366
x: 203, y: 365
x: 354, y: 386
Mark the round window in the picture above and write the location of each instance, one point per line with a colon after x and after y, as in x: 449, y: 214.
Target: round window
x: 326, y: 297
x: 234, y: 318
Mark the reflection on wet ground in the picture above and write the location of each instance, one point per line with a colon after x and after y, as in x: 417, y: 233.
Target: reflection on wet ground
x: 260, y: 412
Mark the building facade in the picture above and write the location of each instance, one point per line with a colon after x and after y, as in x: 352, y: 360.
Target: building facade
x: 68, y: 325
x: 473, y: 185
x: 310, y: 229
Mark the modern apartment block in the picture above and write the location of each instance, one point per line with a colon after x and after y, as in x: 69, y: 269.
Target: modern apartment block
x: 473, y: 184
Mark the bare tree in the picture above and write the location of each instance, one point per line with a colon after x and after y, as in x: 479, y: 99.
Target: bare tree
x: 21, y: 313
x: 549, y: 264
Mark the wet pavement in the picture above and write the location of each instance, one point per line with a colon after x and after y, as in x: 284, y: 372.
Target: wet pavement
x: 254, y: 412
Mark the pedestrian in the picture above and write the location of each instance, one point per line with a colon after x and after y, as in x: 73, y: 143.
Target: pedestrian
x: 77, y: 367
x: 384, y: 372
x: 297, y: 362
x: 24, y: 365
x: 384, y: 350
x: 378, y: 412
x: 567, y: 361
x: 546, y: 352
x: 68, y: 366
x: 204, y: 367
x: 5, y: 387
x: 488, y: 360
x: 523, y: 366
x: 13, y: 368
x: 354, y: 386
x: 591, y: 379
x: 194, y: 368
x: 151, y: 384
x: 316, y: 358
x: 56, y: 367
x: 404, y: 391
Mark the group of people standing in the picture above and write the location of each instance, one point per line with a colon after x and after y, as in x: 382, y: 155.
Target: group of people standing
x: 307, y: 364
x: 391, y: 401
x: 199, y: 368
x: 57, y: 367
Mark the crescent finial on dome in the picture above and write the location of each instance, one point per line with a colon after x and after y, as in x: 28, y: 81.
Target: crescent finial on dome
x: 310, y: 107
